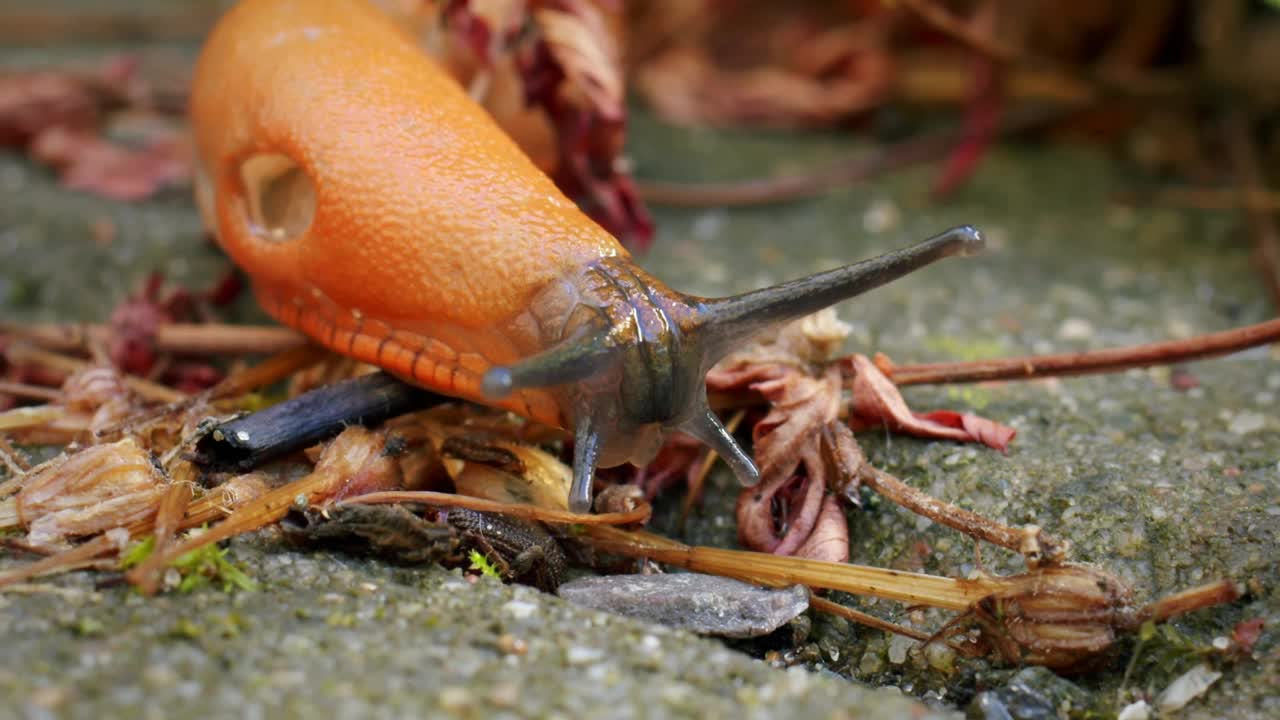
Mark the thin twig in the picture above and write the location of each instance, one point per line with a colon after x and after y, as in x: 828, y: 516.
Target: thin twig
x: 943, y: 21
x: 1085, y: 363
x: 21, y: 353
x: 835, y: 608
x: 66, y: 560
x: 30, y: 391
x: 273, y: 369
x: 13, y: 458
x: 178, y: 338
x: 1030, y: 541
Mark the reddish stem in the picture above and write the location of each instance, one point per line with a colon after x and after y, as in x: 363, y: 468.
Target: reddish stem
x: 1085, y: 363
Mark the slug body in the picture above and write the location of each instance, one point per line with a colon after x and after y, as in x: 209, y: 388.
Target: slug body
x: 382, y: 212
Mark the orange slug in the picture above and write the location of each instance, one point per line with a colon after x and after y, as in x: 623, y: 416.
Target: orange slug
x: 382, y: 212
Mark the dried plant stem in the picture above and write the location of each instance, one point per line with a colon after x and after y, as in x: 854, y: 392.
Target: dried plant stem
x: 27, y: 417
x: 12, y: 458
x: 260, y: 512
x: 148, y: 390
x: 1262, y: 224
x: 1085, y: 363
x: 30, y: 391
x: 848, y: 613
x: 66, y: 560
x: 968, y: 34
x: 179, y: 338
x: 1030, y: 540
x: 168, y: 519
x: 777, y: 570
x: 269, y: 371
x: 1181, y: 603
x: 523, y: 511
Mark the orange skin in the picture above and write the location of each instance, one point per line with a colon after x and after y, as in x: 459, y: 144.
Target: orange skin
x: 382, y: 212
x: 432, y: 230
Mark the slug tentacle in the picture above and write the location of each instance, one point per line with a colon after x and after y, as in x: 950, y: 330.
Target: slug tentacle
x: 707, y: 428
x: 636, y: 369
x: 728, y: 322
x: 586, y: 451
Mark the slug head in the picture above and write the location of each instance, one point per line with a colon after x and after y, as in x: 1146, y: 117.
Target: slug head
x: 630, y: 360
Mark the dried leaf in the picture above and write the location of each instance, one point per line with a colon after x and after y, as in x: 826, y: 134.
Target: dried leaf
x: 830, y: 537
x: 560, y: 59
x: 86, y: 161
x: 809, y: 74
x: 877, y: 401
x: 789, y: 510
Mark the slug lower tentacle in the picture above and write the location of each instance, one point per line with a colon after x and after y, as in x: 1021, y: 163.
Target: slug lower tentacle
x: 378, y: 209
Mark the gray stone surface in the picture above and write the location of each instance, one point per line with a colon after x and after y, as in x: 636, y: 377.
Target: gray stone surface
x: 1166, y: 488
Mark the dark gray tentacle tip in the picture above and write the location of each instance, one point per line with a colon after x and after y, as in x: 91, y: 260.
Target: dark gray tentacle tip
x: 707, y: 428
x: 970, y: 240
x: 586, y: 450
x: 497, y: 383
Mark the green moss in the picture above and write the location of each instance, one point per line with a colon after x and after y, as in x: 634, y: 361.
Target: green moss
x: 965, y: 349
x: 481, y: 563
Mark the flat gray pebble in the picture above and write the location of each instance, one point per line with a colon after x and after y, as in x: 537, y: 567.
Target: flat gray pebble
x: 704, y: 604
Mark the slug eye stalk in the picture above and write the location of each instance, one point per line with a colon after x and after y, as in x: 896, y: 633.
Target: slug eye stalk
x: 638, y: 371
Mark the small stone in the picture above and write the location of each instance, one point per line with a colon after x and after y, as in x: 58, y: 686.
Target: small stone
x: 882, y: 215
x: 1075, y: 328
x: 899, y: 647
x: 1190, y: 685
x: 940, y: 657
x: 1135, y: 711
x: 454, y: 698
x: 704, y: 604
x: 512, y: 645
x: 1246, y: 422
x: 520, y: 609
x: 583, y: 655
x: 872, y: 662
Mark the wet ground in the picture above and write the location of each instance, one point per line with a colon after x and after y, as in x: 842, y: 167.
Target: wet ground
x: 1167, y: 488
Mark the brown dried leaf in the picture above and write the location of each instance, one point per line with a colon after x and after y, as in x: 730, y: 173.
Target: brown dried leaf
x: 814, y: 78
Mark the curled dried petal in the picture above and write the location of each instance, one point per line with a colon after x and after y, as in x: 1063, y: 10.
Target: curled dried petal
x: 877, y: 401
x: 98, y: 488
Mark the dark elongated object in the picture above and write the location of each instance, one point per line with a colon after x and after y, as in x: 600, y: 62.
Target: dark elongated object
x: 245, y: 443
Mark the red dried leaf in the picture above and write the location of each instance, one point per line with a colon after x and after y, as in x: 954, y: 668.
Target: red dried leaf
x: 569, y: 68
x: 830, y: 537
x: 86, y: 161
x: 34, y: 101
x: 877, y: 401
x: 135, y: 321
x: 1245, y: 634
x: 575, y: 74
